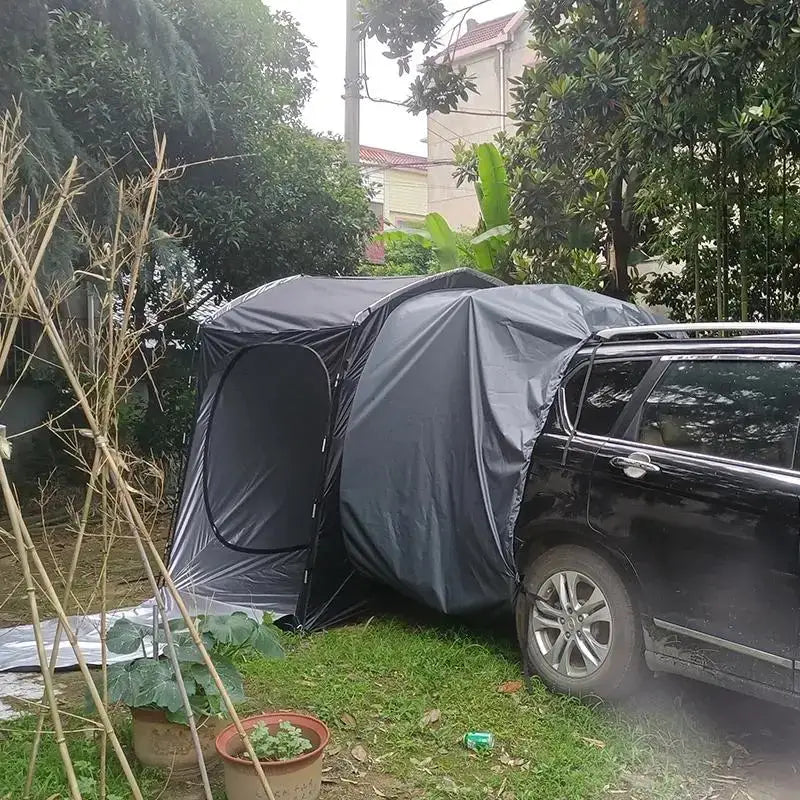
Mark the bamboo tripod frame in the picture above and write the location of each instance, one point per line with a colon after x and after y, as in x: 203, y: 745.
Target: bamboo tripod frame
x: 97, y: 402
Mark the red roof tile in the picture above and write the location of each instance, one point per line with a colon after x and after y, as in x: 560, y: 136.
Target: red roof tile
x: 482, y: 32
x: 391, y: 158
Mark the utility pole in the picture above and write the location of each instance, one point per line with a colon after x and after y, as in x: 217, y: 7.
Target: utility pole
x: 352, y: 85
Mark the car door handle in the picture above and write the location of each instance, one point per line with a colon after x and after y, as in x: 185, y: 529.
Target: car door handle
x: 636, y: 465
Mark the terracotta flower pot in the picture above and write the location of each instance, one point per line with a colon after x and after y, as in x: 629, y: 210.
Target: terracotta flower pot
x: 294, y: 779
x: 158, y: 742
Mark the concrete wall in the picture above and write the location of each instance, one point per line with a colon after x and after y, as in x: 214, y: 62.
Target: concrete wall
x: 458, y: 205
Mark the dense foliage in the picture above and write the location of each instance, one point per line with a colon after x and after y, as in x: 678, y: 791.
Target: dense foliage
x: 150, y: 681
x: 251, y: 196
x: 668, y: 128
x: 225, y: 82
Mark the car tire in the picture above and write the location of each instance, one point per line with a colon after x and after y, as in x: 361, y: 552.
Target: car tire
x: 601, y: 659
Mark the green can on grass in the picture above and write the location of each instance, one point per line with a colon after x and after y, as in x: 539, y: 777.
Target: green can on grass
x: 481, y: 741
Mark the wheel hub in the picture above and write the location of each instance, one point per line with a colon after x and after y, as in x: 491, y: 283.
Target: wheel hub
x: 571, y: 624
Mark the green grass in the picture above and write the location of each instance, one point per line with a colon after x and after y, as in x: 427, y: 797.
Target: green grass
x: 15, y: 744
x: 387, y: 674
x: 373, y: 683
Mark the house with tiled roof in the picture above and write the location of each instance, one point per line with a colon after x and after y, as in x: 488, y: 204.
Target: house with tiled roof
x: 493, y: 52
x: 399, y: 190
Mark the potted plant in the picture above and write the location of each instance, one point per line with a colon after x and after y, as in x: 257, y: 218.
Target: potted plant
x: 289, y: 747
x: 148, y: 685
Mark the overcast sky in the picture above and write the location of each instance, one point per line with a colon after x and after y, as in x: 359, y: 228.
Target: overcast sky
x: 323, y: 22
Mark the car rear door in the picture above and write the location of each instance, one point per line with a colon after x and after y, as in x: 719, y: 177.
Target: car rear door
x: 701, y: 492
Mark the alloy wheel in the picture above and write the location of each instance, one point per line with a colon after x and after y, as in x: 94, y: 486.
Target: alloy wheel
x: 570, y: 623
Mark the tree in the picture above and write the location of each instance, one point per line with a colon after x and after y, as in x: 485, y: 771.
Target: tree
x: 252, y: 195
x: 407, y: 255
x: 665, y: 127
x: 225, y: 82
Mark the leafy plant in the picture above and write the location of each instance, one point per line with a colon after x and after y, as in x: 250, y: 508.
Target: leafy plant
x: 488, y: 248
x: 150, y: 681
x: 287, y: 742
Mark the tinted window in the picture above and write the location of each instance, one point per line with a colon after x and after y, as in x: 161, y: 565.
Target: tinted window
x: 611, y: 386
x: 744, y: 410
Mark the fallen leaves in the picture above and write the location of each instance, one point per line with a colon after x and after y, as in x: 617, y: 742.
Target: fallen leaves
x: 430, y: 718
x: 598, y: 743
x: 510, y: 687
x: 359, y: 754
x: 506, y: 759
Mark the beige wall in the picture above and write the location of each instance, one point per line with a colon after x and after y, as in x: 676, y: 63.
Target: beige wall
x: 405, y: 195
x: 458, y: 205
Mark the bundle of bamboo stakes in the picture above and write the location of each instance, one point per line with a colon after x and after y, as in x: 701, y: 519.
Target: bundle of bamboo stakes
x: 121, y: 489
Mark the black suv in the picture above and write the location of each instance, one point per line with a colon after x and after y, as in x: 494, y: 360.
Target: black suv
x: 661, y: 519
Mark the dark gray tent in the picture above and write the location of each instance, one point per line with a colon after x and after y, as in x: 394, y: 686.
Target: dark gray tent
x: 435, y: 389
x: 456, y: 389
x: 258, y: 518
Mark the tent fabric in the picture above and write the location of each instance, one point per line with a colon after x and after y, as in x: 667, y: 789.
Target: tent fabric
x: 258, y: 517
x: 452, y: 397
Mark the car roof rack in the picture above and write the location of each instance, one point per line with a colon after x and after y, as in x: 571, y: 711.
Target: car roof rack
x: 700, y: 327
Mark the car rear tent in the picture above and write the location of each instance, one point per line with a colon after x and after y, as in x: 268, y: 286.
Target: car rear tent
x: 258, y: 518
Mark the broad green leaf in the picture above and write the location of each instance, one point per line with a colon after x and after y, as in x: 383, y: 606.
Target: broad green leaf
x: 232, y: 629
x: 484, y: 256
x: 189, y: 652
x: 444, y: 240
x: 228, y: 673
x: 123, y: 684
x: 495, y: 197
x: 403, y: 234
x: 265, y: 641
x: 125, y: 637
x: 157, y: 685
x: 242, y: 627
x: 499, y: 233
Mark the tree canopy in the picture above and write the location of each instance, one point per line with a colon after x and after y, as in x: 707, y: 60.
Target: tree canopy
x: 225, y: 81
x: 660, y: 127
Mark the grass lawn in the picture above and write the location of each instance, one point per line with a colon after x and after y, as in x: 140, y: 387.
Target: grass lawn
x: 374, y: 683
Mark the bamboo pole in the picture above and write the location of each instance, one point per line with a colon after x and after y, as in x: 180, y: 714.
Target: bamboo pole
x: 52, y: 596
x: 47, y: 678
x: 102, y: 787
x: 30, y: 277
x: 171, y: 652
x: 138, y: 527
x: 73, y: 568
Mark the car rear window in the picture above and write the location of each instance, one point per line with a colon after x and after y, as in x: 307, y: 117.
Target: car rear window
x: 611, y: 386
x: 746, y: 410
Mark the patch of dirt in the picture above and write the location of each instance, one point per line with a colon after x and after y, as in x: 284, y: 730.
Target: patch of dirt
x: 755, y: 744
x: 347, y: 779
x: 127, y: 583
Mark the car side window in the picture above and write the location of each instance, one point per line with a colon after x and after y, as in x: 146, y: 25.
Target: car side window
x: 746, y: 410
x: 611, y: 386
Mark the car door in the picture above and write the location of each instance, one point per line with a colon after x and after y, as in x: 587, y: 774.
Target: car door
x: 588, y: 407
x: 701, y: 492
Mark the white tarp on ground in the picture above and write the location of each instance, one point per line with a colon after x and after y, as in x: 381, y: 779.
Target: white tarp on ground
x: 18, y: 646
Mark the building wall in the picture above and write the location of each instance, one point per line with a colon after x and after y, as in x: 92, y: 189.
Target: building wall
x: 405, y: 195
x: 458, y: 204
